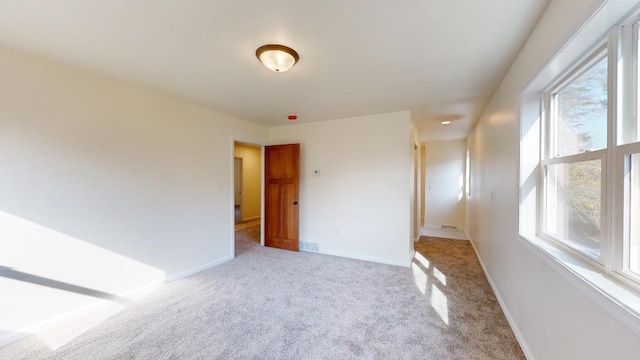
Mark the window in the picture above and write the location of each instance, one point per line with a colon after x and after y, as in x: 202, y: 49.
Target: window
x: 589, y: 198
x: 576, y: 152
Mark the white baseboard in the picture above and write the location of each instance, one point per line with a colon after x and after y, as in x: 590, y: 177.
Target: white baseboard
x: 439, y: 227
x: 197, y: 269
x: 12, y: 338
x: 503, y: 306
x: 133, y: 294
x: 457, y: 234
x: 368, y: 258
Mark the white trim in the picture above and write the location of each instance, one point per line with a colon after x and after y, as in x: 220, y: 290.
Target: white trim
x: 439, y: 227
x: 610, y: 203
x: 232, y: 204
x: 196, y: 270
x: 12, y: 338
x: 435, y: 231
x: 133, y: 294
x: 512, y: 323
x: 369, y: 258
x: 597, y: 53
x: 570, y: 159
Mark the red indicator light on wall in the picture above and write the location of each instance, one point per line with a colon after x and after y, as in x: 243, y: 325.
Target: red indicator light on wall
x: 292, y: 117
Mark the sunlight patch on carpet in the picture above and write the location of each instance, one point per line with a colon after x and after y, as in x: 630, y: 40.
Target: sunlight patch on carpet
x: 422, y: 260
x: 420, y: 278
x: 440, y: 276
x: 439, y: 303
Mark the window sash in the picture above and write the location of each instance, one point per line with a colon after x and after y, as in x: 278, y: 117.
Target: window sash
x: 546, y: 187
x: 601, y: 52
x: 586, y: 156
x: 549, y: 142
x: 624, y: 211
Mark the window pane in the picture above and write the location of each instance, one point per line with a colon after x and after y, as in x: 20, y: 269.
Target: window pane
x: 573, y: 204
x: 581, y: 117
x: 634, y: 215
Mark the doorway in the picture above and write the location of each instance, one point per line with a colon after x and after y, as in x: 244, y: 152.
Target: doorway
x: 247, y: 182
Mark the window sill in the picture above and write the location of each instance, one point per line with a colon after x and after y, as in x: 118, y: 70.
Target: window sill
x: 616, y: 298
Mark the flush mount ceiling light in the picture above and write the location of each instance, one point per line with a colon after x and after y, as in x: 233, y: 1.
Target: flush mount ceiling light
x: 448, y: 119
x: 278, y: 58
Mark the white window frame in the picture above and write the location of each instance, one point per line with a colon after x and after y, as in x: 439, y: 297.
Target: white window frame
x: 623, y: 140
x: 624, y: 134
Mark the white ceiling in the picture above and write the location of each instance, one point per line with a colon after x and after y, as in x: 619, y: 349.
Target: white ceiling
x: 438, y: 58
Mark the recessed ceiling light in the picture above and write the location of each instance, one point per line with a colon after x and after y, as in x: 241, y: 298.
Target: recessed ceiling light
x: 278, y: 58
x: 445, y: 122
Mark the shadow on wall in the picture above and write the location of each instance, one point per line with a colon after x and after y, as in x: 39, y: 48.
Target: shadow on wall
x: 45, y: 274
x: 10, y: 273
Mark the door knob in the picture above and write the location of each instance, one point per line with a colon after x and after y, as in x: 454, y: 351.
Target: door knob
x: 295, y: 203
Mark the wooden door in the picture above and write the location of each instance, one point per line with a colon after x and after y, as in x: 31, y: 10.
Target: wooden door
x: 282, y: 188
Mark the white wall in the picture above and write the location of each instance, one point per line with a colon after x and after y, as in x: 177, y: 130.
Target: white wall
x: 105, y: 186
x: 360, y: 205
x: 444, y: 169
x: 552, y: 318
x: 251, y: 179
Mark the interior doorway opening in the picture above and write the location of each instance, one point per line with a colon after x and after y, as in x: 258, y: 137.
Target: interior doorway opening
x: 247, y: 182
x: 237, y: 185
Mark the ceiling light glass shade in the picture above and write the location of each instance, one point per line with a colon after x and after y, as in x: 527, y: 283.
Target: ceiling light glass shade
x: 278, y: 58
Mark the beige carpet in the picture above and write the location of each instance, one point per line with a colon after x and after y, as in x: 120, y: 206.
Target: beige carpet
x: 274, y: 304
x: 251, y: 224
